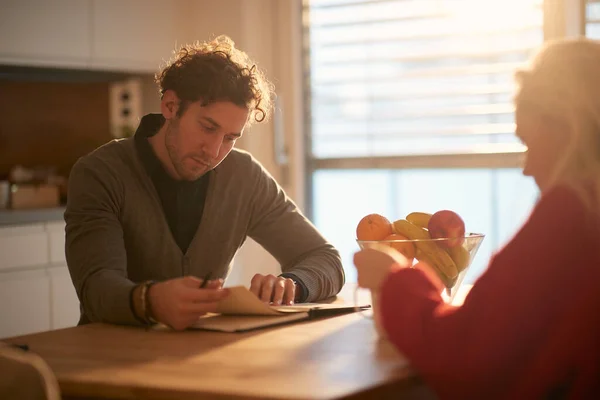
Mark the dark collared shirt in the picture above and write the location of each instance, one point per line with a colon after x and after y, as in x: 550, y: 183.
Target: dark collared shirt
x: 182, y: 201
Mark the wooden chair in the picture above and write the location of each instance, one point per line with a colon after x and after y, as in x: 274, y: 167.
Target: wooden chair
x: 25, y: 376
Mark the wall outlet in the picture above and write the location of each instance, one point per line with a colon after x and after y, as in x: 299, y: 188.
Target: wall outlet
x: 125, y: 107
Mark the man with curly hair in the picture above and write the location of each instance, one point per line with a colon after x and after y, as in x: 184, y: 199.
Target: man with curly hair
x: 149, y: 216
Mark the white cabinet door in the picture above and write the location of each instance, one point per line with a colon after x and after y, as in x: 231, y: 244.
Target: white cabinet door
x: 45, y: 33
x: 56, y: 241
x: 23, y: 246
x: 134, y: 35
x: 24, y: 305
x: 64, y: 301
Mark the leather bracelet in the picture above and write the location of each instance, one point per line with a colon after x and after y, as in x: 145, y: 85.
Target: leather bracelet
x: 143, y: 291
x: 146, y: 303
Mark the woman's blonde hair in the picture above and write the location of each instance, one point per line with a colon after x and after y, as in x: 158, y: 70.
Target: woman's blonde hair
x: 562, y: 83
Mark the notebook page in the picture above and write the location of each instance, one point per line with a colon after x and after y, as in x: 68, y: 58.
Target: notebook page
x: 242, y: 301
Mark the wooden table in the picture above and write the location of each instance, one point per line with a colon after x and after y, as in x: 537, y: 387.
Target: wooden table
x: 334, y: 358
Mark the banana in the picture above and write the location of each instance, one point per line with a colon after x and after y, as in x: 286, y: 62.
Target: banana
x: 470, y: 244
x: 460, y: 256
x: 411, y: 231
x: 421, y: 256
x: 437, y: 257
x: 452, y: 282
x: 420, y: 219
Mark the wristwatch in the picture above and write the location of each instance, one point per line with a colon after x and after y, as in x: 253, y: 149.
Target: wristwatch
x: 300, y: 287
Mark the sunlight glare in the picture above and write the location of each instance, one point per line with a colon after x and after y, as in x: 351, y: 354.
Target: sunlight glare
x: 478, y: 16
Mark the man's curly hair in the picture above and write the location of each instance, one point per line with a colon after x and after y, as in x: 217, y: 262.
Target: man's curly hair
x: 217, y: 71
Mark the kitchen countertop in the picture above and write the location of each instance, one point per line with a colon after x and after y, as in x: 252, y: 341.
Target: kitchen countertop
x: 21, y: 217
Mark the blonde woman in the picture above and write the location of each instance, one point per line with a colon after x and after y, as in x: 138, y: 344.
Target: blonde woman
x: 530, y: 327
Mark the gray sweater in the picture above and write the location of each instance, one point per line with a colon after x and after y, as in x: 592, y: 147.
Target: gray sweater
x: 117, y: 234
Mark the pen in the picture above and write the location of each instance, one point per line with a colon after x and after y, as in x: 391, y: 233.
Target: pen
x: 206, y: 279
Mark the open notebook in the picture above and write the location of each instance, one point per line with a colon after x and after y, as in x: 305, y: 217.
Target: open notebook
x: 243, y: 311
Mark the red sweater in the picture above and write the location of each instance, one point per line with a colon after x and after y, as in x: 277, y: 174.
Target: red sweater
x: 529, y: 328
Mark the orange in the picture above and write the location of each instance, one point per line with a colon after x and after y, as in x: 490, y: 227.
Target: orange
x: 373, y: 227
x: 406, y: 248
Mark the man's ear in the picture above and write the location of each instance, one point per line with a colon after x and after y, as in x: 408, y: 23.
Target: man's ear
x: 169, y: 104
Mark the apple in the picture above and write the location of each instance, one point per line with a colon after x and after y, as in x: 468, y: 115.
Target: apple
x: 447, y: 224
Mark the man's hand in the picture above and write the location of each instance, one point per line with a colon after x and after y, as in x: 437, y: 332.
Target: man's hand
x: 273, y: 289
x: 179, y: 302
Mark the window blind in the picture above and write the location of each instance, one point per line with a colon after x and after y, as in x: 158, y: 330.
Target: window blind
x: 592, y: 15
x: 406, y: 77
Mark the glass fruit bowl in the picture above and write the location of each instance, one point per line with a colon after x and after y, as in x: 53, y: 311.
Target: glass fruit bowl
x: 450, y: 258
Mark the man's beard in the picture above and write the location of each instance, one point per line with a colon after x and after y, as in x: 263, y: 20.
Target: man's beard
x: 176, y: 160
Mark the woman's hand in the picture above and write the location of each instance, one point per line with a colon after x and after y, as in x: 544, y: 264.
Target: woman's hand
x: 375, y: 263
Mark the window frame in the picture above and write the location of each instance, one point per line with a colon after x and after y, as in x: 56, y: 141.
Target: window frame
x: 584, y: 19
x: 562, y: 18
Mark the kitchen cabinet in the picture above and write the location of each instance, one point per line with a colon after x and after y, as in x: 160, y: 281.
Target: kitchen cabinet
x: 64, y: 302
x: 134, y: 35
x: 24, y: 302
x: 45, y: 33
x: 114, y: 35
x: 23, y: 246
x: 56, y: 242
x: 36, y: 292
